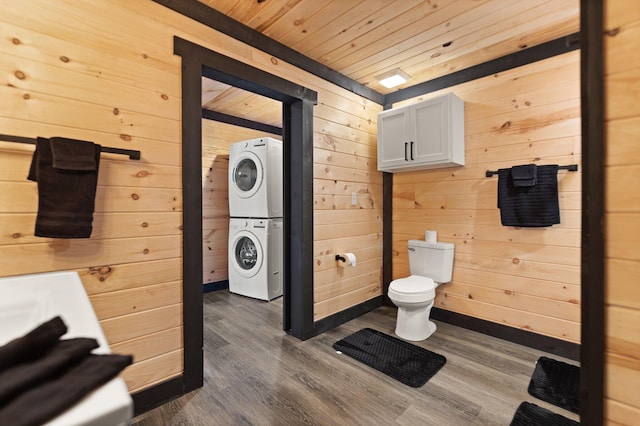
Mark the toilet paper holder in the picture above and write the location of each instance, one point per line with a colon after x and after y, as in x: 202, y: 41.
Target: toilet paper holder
x: 347, y: 259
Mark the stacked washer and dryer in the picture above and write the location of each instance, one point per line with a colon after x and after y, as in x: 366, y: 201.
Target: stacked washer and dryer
x: 255, y: 227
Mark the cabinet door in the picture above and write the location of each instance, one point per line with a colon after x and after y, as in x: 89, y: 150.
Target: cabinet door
x: 393, y: 140
x: 431, y: 124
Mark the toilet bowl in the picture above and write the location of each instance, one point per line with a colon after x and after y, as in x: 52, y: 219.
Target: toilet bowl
x: 430, y: 264
x: 414, y: 297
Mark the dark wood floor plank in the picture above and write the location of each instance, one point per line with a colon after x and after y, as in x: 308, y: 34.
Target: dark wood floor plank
x: 255, y: 374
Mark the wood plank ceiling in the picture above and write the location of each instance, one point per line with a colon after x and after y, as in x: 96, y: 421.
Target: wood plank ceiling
x: 426, y: 39
x: 222, y: 98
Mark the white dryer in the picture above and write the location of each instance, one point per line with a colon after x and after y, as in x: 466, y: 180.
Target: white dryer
x: 255, y: 257
x: 255, y: 178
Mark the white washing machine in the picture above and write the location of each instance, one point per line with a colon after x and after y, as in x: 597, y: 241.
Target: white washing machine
x: 255, y: 178
x: 255, y: 257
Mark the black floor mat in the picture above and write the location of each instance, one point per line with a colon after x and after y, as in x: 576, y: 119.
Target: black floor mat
x: 557, y: 383
x: 532, y: 415
x: 407, y: 363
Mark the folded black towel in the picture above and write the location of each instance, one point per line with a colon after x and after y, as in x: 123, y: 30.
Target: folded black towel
x: 40, y: 404
x: 529, y: 206
x: 524, y: 175
x: 67, y: 177
x: 73, y: 155
x: 33, y: 344
x: 49, y: 365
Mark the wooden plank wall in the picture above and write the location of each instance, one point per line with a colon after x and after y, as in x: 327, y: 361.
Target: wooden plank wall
x: 105, y: 72
x: 69, y: 74
x: 345, y: 163
x: 622, y: 211
x: 216, y: 138
x: 527, y: 278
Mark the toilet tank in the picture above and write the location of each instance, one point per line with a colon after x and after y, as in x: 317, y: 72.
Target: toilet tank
x: 432, y: 260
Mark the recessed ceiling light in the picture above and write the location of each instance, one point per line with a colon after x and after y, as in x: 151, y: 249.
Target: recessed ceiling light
x: 393, y: 78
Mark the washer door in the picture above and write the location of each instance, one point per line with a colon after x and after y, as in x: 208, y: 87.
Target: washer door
x: 247, y: 175
x: 247, y: 254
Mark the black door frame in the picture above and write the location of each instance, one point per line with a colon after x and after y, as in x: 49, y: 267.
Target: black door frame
x: 297, y: 134
x: 592, y: 267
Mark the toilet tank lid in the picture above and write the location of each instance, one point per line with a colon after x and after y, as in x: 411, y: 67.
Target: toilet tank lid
x: 437, y: 245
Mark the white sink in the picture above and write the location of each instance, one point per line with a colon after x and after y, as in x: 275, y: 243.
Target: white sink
x: 29, y: 300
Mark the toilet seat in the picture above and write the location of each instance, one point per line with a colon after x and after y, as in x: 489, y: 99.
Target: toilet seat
x: 412, y: 289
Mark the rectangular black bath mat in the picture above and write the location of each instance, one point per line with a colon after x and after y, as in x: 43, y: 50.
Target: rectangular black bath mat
x: 405, y: 362
x: 532, y: 415
x: 557, y: 383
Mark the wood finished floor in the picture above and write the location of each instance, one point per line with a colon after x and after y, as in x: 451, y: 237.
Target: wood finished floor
x: 255, y: 374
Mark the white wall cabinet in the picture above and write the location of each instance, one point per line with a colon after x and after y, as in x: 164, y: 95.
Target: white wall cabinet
x: 425, y: 135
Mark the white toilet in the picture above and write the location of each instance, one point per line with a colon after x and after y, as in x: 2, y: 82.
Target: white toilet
x: 430, y: 264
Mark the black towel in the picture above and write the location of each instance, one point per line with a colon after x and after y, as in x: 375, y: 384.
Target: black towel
x: 74, y: 156
x: 33, y: 344
x: 30, y: 373
x: 40, y: 404
x: 524, y: 175
x: 529, y: 206
x: 44, y: 376
x: 67, y: 174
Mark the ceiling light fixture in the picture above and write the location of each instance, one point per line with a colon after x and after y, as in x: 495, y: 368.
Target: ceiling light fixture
x: 393, y: 78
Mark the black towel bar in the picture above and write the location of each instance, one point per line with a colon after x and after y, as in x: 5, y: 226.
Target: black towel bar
x: 570, y: 167
x: 133, y: 155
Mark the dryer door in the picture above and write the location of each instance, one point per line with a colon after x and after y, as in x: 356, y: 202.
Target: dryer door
x: 246, y: 175
x: 247, y: 254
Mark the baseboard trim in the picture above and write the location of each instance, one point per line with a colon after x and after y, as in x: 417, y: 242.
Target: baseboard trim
x: 218, y: 285
x: 157, y: 395
x: 348, y: 314
x: 522, y: 337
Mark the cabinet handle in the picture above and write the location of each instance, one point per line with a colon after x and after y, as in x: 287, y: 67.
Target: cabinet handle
x: 405, y: 152
x: 411, y: 150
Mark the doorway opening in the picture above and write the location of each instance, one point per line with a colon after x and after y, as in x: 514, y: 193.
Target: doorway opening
x: 231, y: 116
x: 297, y: 135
